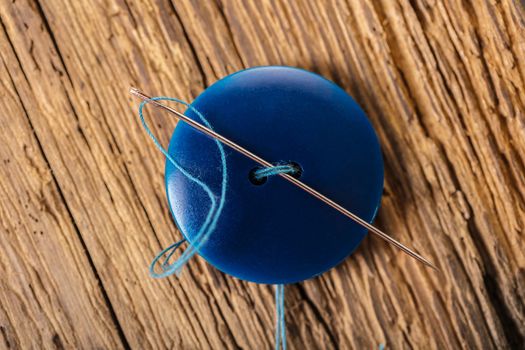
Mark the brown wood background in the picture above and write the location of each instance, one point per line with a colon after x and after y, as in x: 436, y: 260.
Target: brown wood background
x: 82, y: 204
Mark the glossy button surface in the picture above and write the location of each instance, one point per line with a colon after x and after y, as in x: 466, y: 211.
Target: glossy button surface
x: 275, y: 232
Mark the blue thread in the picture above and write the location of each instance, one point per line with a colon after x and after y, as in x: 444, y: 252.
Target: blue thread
x: 210, y: 222
x: 261, y: 173
x: 280, y: 323
x: 381, y: 346
x: 171, y: 249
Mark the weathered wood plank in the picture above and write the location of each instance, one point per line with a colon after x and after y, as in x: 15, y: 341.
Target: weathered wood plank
x: 442, y: 82
x: 50, y: 295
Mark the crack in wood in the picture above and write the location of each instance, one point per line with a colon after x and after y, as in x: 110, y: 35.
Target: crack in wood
x: 53, y: 39
x: 317, y: 313
x: 192, y: 47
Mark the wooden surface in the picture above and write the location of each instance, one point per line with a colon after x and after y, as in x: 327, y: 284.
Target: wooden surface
x: 82, y: 203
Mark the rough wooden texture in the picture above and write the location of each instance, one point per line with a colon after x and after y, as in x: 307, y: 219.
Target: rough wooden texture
x: 83, y: 209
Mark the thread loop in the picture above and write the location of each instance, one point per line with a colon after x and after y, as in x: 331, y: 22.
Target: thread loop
x: 215, y: 210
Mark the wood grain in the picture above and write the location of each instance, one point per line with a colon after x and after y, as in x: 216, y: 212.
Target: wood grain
x: 83, y: 209
x: 48, y: 283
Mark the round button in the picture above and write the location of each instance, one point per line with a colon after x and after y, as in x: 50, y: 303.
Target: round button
x: 274, y: 232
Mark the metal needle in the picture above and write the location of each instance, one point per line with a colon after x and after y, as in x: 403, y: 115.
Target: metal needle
x: 293, y: 180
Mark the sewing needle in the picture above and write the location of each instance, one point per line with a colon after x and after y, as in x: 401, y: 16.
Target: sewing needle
x: 291, y: 179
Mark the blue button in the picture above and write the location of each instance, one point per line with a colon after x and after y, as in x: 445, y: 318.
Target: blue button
x: 275, y: 232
